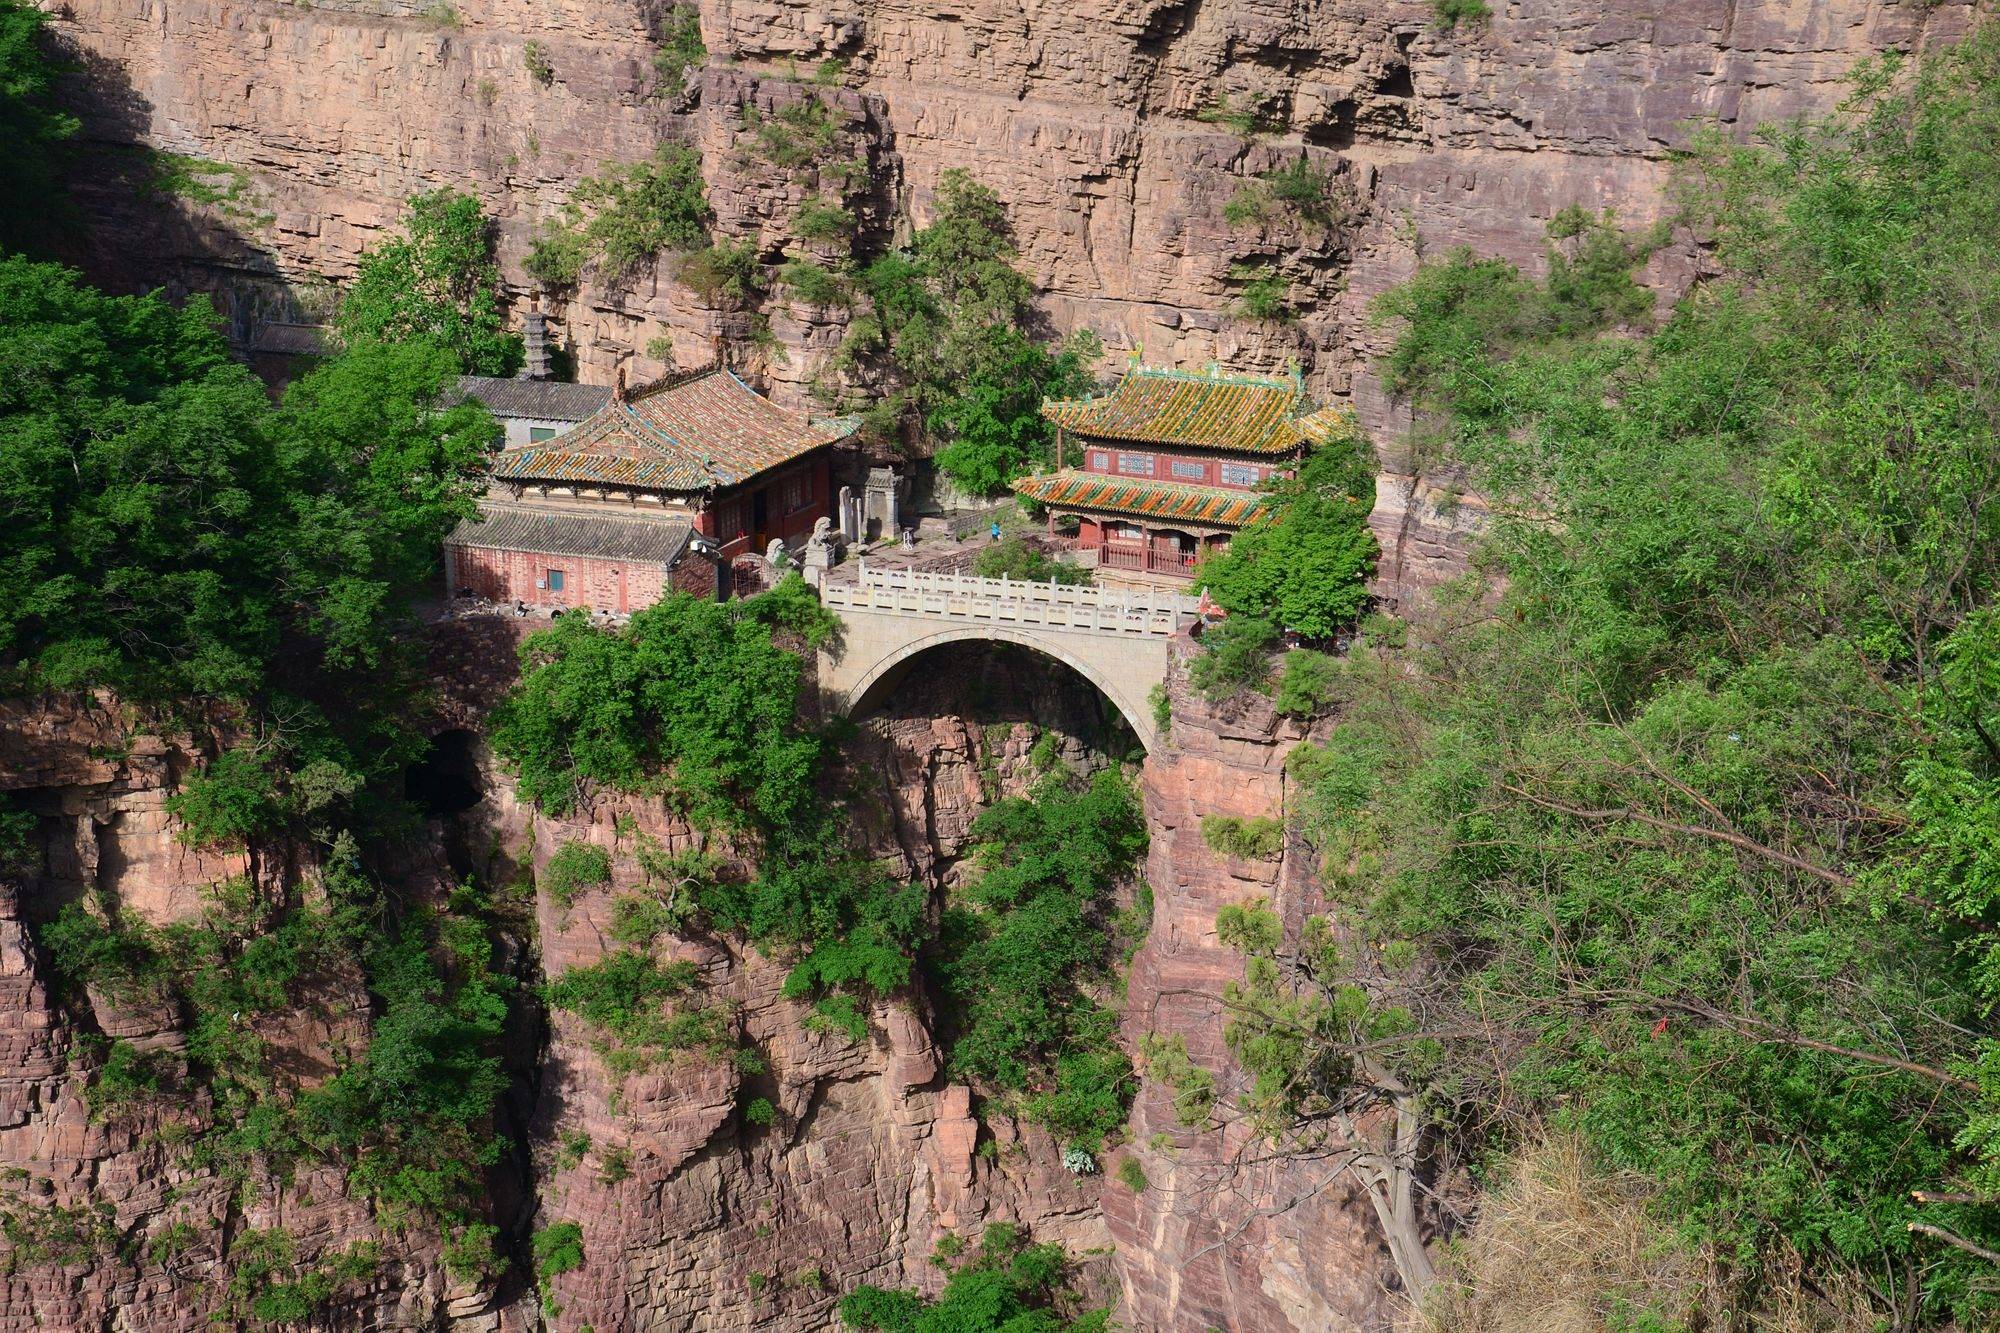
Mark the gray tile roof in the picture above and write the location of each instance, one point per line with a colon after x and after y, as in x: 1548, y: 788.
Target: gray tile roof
x: 512, y: 527
x: 543, y: 400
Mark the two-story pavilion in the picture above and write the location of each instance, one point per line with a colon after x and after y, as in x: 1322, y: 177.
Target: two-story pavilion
x: 660, y: 487
x: 1172, y: 463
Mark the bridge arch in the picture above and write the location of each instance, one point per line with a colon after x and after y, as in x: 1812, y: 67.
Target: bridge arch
x: 875, y: 681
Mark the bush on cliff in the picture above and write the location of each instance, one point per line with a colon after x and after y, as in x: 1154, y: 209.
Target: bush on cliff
x: 1007, y: 1285
x: 945, y: 325
x: 34, y: 129
x: 1304, y: 565
x: 1015, y: 958
x: 437, y: 283
x: 1679, y: 833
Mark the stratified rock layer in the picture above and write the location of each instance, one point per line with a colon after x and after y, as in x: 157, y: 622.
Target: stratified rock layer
x: 1116, y: 131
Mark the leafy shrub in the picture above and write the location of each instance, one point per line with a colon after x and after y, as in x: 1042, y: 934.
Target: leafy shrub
x: 814, y: 284
x: 692, y: 695
x: 558, y: 1249
x: 1013, y: 957
x: 1304, y: 563
x: 1167, y: 1061
x: 128, y: 1078
x: 625, y: 217
x: 1306, y: 687
x: 1264, y: 293
x: 470, y: 1254
x: 1016, y: 558
x: 638, y: 920
x: 943, y: 329
x: 820, y: 220
x: 1162, y: 705
x: 1132, y: 1175
x: 1007, y: 1284
x: 1451, y: 13
x: 535, y: 57
x: 1235, y: 656
x: 227, y: 802
x: 1254, y: 117
x: 680, y: 46
x: 1258, y: 839
x: 1298, y: 189
x: 759, y: 1112
x: 622, y: 995
x: 576, y: 866
x: 438, y: 282
x: 723, y: 273
x: 796, y: 135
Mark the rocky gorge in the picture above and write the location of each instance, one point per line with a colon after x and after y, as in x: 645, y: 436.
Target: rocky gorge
x: 1117, y: 139
x: 691, y: 1216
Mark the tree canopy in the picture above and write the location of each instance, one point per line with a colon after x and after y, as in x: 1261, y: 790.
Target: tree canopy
x: 437, y: 283
x: 1678, y: 832
x: 1304, y: 565
x: 32, y: 131
x: 950, y: 319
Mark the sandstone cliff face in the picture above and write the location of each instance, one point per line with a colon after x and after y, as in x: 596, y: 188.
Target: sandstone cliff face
x: 110, y: 1224
x: 693, y: 1217
x: 1222, y: 1237
x: 1105, y: 126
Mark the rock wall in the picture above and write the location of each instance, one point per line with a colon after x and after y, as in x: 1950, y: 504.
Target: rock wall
x: 1116, y: 131
x: 693, y: 1216
x: 1223, y: 1236
x: 95, y: 1205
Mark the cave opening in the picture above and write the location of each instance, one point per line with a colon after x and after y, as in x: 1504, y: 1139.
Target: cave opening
x: 446, y: 781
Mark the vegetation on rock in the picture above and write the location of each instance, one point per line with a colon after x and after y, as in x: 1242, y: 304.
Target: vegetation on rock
x: 1677, y: 835
x: 624, y: 217
x: 946, y: 324
x: 1007, y: 1284
x: 437, y: 284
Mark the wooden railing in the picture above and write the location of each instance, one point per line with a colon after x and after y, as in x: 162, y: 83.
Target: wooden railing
x: 1143, y: 557
x: 1009, y: 601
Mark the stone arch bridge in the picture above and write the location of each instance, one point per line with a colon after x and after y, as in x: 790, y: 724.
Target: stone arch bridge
x: 1115, y: 638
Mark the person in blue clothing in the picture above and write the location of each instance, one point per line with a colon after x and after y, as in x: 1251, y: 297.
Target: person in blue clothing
x: 996, y: 529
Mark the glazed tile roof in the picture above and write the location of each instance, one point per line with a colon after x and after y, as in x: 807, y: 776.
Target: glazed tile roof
x: 1251, y: 414
x: 542, y: 400
x: 512, y: 527
x: 690, y: 433
x: 1209, y: 505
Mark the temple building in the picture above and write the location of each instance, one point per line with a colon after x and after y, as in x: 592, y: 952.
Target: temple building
x: 1171, y: 464
x: 659, y: 488
x: 533, y: 406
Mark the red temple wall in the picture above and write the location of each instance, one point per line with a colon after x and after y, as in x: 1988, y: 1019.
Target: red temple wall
x: 606, y: 585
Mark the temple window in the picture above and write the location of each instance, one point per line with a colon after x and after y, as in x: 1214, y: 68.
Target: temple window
x: 794, y: 492
x: 1190, y: 471
x: 1239, y: 474
x: 536, y: 434
x: 1136, y: 465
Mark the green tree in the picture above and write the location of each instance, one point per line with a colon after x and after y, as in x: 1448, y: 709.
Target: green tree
x: 623, y: 217
x: 1305, y: 563
x: 437, y: 283
x: 1014, y: 959
x: 1678, y: 832
x: 949, y: 321
x: 1007, y: 1286
x: 176, y: 538
x: 32, y: 131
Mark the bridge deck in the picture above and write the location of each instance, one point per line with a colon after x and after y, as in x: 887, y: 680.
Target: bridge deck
x: 967, y: 597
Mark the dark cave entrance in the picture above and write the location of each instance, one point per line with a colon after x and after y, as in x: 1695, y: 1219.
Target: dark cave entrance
x: 446, y: 780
